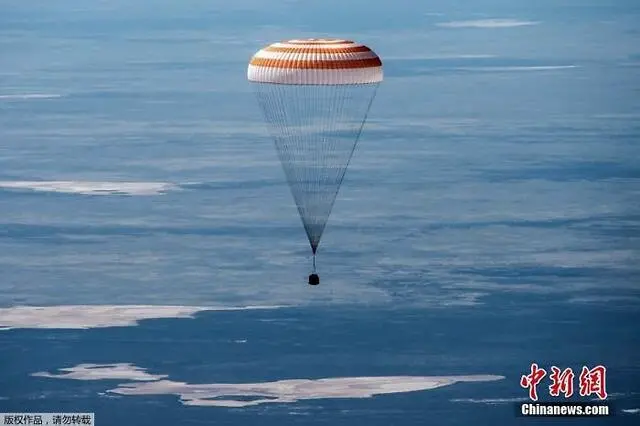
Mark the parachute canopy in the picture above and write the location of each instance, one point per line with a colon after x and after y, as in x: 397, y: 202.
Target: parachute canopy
x: 315, y: 95
x: 315, y: 62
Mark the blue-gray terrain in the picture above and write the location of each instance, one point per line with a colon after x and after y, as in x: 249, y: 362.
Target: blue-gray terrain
x: 153, y: 265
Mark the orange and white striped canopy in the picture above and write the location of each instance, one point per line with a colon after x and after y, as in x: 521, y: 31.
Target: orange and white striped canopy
x: 315, y: 61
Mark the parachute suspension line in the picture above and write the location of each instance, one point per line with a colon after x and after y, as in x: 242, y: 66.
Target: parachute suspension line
x: 342, y: 173
x: 315, y: 129
x: 314, y: 263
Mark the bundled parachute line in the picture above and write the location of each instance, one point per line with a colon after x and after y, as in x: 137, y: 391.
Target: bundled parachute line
x: 315, y: 96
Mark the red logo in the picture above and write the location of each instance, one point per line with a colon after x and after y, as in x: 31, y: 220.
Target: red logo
x: 532, y: 380
x: 592, y: 381
x: 561, y: 382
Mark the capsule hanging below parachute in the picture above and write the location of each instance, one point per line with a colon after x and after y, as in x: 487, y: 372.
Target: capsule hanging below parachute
x: 315, y: 95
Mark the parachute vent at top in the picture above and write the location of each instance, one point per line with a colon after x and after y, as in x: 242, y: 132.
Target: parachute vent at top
x: 315, y: 96
x: 315, y: 62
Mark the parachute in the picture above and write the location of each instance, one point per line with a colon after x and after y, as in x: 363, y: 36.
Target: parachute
x: 315, y: 95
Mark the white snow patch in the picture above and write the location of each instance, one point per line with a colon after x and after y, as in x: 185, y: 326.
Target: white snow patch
x: 96, y: 316
x: 92, y: 188
x: 281, y: 391
x: 27, y: 96
x: 519, y: 68
x: 287, y: 391
x: 487, y: 23
x: 119, y: 371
